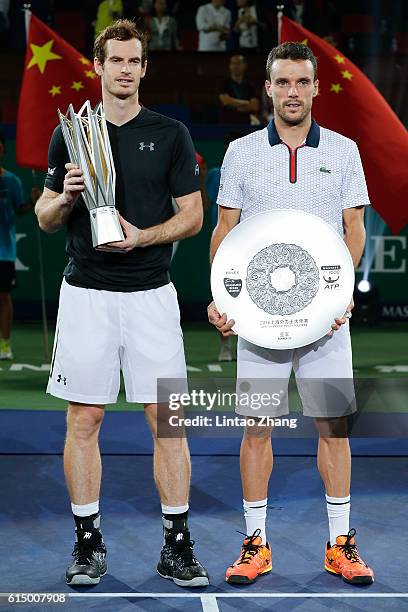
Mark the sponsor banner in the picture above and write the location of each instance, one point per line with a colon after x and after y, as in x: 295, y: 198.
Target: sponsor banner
x: 394, y: 312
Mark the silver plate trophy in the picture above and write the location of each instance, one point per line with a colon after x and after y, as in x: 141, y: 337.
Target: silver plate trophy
x: 283, y: 276
x: 87, y: 140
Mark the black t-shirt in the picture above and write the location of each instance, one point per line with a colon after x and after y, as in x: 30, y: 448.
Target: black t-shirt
x: 154, y: 160
x: 241, y: 91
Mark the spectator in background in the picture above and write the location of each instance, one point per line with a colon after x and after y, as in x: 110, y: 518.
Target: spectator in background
x: 145, y: 7
x: 298, y: 9
x: 247, y: 25
x: 162, y: 29
x: 213, y: 22
x: 11, y: 202
x: 4, y: 23
x: 239, y: 100
x: 108, y: 12
x: 4, y: 20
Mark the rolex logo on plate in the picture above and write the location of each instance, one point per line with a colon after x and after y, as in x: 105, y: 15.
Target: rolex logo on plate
x: 233, y: 286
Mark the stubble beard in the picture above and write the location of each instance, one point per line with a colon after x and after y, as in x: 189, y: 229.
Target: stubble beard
x: 294, y: 120
x: 114, y: 90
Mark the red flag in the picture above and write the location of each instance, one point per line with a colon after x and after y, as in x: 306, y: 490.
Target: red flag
x: 350, y: 104
x: 55, y: 75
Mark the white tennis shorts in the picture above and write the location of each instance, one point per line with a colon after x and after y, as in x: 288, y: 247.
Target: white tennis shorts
x: 100, y: 333
x: 323, y: 371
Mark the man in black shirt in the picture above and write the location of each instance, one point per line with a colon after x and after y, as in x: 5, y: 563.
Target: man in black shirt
x: 118, y: 309
x: 238, y: 97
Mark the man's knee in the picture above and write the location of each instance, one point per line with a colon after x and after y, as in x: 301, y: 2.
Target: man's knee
x: 334, y: 450
x: 164, y: 423
x: 257, y: 435
x: 84, y: 422
x: 333, y: 428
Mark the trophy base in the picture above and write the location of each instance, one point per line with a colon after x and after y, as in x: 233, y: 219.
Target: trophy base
x: 105, y: 225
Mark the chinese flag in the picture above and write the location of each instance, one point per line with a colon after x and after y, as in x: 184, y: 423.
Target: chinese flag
x: 350, y: 104
x: 55, y: 75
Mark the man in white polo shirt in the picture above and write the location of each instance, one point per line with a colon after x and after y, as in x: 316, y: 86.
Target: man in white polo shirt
x: 295, y: 163
x: 213, y: 23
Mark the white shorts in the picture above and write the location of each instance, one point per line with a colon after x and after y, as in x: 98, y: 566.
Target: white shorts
x: 323, y: 371
x: 100, y: 333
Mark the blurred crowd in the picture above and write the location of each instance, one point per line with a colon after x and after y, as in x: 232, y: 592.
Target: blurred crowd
x: 238, y: 28
x: 217, y: 25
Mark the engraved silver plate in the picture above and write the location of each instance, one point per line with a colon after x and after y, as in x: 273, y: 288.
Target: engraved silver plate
x: 283, y: 276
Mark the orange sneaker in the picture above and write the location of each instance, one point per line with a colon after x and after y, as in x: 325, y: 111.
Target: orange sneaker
x: 344, y: 560
x: 255, y: 559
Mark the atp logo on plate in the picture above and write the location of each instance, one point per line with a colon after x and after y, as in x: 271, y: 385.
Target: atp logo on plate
x: 331, y: 276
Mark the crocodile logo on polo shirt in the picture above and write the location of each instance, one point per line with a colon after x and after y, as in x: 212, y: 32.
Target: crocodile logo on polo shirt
x: 325, y: 170
x: 143, y: 146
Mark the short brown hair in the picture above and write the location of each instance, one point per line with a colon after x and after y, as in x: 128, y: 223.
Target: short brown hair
x: 293, y: 51
x: 122, y: 29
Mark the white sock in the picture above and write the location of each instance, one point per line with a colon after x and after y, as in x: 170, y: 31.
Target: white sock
x: 85, y: 509
x: 174, y: 509
x: 338, y: 511
x: 255, y: 517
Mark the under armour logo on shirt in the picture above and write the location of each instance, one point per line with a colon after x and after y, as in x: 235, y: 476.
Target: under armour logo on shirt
x: 197, y: 169
x: 142, y: 146
x: 87, y: 535
x: 51, y: 171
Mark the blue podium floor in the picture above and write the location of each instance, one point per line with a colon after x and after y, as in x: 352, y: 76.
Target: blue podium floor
x: 36, y: 536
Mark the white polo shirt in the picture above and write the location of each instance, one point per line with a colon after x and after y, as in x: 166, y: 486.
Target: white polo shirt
x: 207, y: 17
x: 323, y: 176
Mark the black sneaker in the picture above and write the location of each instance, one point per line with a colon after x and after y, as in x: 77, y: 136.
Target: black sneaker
x: 89, y: 559
x: 178, y: 563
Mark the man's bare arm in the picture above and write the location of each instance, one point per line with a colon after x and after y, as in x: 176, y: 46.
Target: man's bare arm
x: 52, y: 211
x: 244, y: 106
x: 227, y: 220
x: 52, y: 208
x: 354, y: 237
x: 187, y: 222
x: 354, y: 232
x: 250, y: 106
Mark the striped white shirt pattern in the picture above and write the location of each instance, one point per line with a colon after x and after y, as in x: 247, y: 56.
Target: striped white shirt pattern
x: 322, y: 177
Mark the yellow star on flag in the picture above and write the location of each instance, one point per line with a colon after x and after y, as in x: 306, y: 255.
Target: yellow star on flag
x: 77, y: 85
x: 41, y: 55
x: 90, y: 74
x: 346, y: 75
x: 339, y: 58
x: 84, y: 61
x: 55, y: 90
x: 336, y: 87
